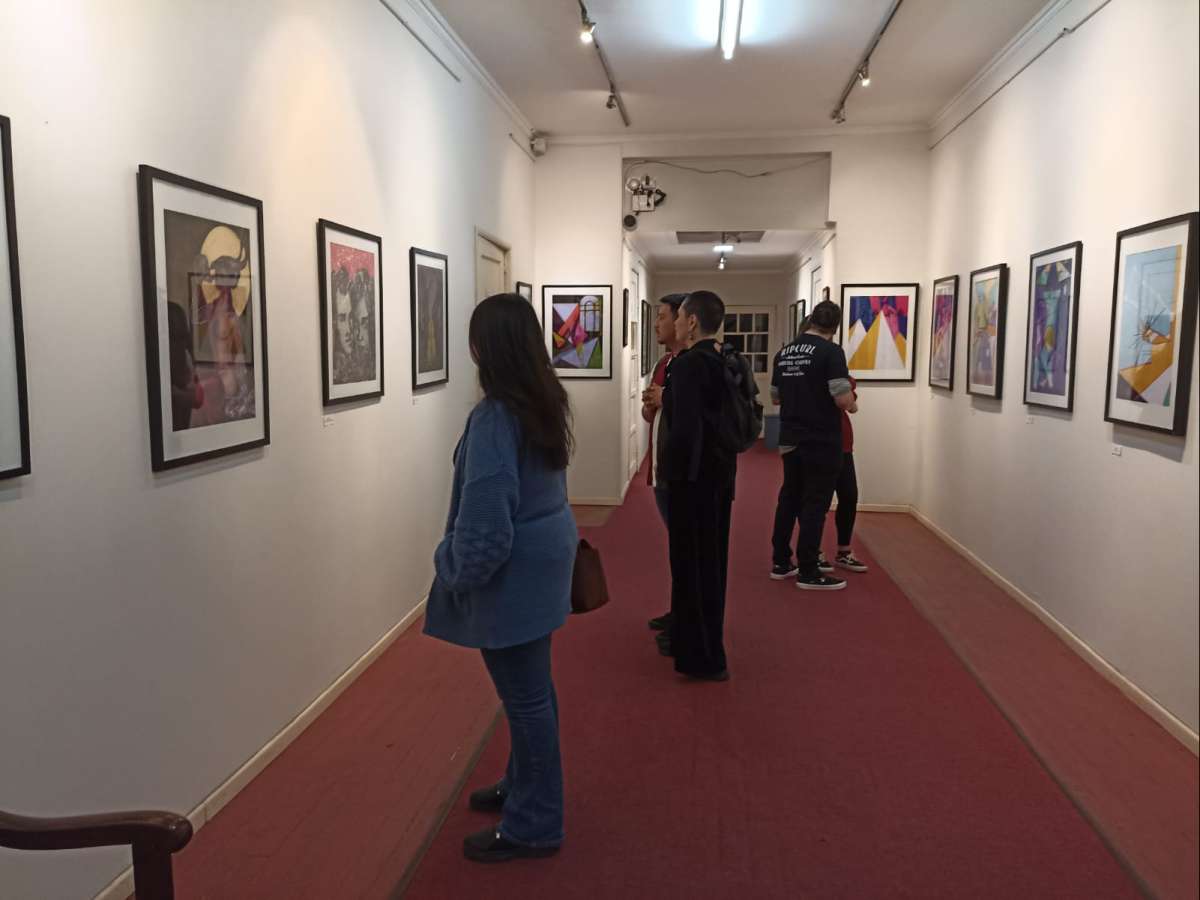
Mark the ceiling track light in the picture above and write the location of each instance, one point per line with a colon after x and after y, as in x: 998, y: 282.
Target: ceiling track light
x: 864, y: 74
x: 862, y: 71
x: 587, y: 34
x: 731, y: 25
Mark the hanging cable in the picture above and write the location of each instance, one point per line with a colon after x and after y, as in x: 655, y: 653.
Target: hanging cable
x: 662, y: 162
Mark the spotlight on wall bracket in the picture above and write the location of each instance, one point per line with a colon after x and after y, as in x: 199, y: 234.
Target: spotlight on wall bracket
x: 611, y: 102
x: 587, y: 28
x: 864, y: 74
x: 629, y: 222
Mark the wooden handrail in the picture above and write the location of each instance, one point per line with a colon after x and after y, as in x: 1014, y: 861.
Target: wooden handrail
x: 152, y: 835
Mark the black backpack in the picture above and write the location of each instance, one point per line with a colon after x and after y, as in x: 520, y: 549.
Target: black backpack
x: 741, y: 418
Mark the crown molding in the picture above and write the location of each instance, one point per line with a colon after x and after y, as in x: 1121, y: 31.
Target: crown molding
x: 666, y: 137
x: 433, y: 20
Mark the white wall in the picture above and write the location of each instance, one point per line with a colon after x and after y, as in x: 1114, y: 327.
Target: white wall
x: 1100, y: 134
x: 155, y: 632
x: 577, y: 211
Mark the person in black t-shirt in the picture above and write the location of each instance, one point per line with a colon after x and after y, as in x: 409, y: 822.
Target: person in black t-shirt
x: 811, y: 383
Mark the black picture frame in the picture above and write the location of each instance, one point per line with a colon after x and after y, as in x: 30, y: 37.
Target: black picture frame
x: 605, y: 293
x: 433, y: 377
x: 1001, y: 327
x: 527, y: 293
x: 147, y: 179
x: 953, y: 338
x: 647, y: 340
x: 22, y: 464
x: 324, y: 230
x: 625, y: 317
x: 1076, y: 248
x: 1186, y: 336
x: 911, y: 343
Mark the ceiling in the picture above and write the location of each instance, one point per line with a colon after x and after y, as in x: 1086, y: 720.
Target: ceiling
x: 778, y: 250
x: 793, y: 60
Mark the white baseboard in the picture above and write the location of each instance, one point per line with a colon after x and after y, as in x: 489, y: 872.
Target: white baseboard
x: 882, y: 507
x: 1177, y: 729
x: 596, y: 501
x: 121, y: 887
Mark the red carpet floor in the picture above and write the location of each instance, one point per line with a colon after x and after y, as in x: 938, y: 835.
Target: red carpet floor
x: 851, y: 756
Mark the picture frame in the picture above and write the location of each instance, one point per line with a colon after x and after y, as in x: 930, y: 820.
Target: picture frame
x: 647, y: 340
x: 1052, y: 325
x: 987, y: 314
x: 350, y: 287
x: 15, y: 457
x: 878, y: 329
x: 624, y: 317
x: 943, y: 332
x: 525, y: 289
x: 1152, y: 330
x: 204, y: 289
x: 577, y: 321
x: 429, y: 301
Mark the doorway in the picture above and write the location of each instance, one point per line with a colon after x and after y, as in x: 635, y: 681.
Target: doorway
x: 748, y: 330
x: 491, y: 267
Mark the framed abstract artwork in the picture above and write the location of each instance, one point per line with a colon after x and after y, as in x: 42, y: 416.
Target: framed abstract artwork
x: 350, y: 267
x: 14, y: 395
x: 625, y: 317
x: 525, y: 289
x: 647, y: 340
x: 987, y: 311
x: 1054, y: 277
x: 942, y: 331
x: 428, y: 274
x: 877, y: 330
x: 578, y: 324
x: 206, y: 319
x: 1153, y: 327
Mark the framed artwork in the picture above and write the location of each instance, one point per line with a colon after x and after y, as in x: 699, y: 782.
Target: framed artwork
x: 1153, y: 326
x: 1054, y: 277
x: 577, y: 320
x: 625, y: 317
x: 525, y: 290
x: 428, y: 274
x: 942, y: 332
x: 14, y: 395
x: 647, y: 340
x: 986, y: 314
x: 206, y: 319
x: 350, y: 266
x: 877, y: 330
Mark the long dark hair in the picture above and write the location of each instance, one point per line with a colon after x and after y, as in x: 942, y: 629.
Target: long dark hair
x: 514, y: 369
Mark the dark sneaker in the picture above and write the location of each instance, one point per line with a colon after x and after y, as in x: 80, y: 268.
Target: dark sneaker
x: 661, y: 623
x: 664, y: 643
x: 489, y: 799
x: 847, y: 561
x: 823, y: 564
x: 490, y: 846
x: 723, y: 675
x: 783, y: 573
x: 820, y: 582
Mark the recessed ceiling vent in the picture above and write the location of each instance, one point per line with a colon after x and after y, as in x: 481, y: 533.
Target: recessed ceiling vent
x: 719, y: 237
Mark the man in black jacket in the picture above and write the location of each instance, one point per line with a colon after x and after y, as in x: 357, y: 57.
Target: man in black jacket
x: 700, y: 476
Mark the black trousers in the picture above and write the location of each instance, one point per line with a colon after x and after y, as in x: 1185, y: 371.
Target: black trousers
x: 810, y: 474
x: 847, y: 497
x: 699, y: 515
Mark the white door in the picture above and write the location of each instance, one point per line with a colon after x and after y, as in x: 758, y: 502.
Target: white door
x: 749, y: 329
x: 491, y: 268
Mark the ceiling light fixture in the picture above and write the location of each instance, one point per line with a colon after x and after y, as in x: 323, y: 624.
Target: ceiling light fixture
x: 587, y: 27
x: 861, y: 76
x: 864, y: 74
x: 731, y: 24
x: 721, y: 264
x: 722, y: 248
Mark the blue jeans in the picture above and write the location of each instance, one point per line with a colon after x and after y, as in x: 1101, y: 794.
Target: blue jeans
x: 533, y: 809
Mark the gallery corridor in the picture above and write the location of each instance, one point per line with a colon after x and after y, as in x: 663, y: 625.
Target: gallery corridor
x: 853, y: 754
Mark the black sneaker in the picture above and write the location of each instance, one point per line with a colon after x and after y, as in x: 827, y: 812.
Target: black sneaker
x: 783, y: 573
x: 820, y: 582
x: 823, y: 564
x: 847, y: 561
x: 661, y: 623
x: 490, y: 846
x: 663, y: 640
x: 489, y: 799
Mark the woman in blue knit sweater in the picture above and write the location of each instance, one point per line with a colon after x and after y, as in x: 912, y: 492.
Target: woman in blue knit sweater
x: 504, y: 567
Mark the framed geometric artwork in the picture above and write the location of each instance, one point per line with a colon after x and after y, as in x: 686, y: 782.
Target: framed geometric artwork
x: 350, y: 268
x: 1054, y: 277
x: 577, y: 320
x: 877, y: 330
x: 14, y: 396
x: 987, y: 311
x: 942, y: 332
x: 647, y: 340
x: 625, y: 317
x: 428, y: 274
x: 1153, y: 326
x: 525, y: 290
x: 205, y: 315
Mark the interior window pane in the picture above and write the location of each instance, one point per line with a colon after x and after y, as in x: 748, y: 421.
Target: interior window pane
x: 746, y: 322
x: 762, y: 322
x: 737, y: 341
x: 731, y: 322
x: 760, y: 364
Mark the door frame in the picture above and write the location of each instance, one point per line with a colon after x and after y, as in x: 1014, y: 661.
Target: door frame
x: 506, y: 263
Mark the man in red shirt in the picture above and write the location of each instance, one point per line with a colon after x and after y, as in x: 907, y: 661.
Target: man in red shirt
x: 664, y: 331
